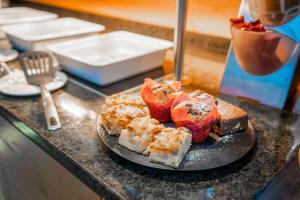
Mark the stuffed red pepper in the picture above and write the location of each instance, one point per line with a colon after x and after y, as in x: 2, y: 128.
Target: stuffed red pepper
x: 159, y: 98
x: 198, y: 113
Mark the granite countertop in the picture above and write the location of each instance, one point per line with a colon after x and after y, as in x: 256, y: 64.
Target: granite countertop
x: 77, y: 147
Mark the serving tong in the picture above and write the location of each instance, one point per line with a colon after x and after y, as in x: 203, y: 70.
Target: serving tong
x: 38, y: 70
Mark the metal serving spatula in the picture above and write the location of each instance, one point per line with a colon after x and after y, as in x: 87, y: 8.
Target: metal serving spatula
x: 38, y: 70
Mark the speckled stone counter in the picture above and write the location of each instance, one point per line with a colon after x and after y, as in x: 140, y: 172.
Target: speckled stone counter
x: 77, y: 147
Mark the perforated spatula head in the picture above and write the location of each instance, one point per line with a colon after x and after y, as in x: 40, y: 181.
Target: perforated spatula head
x: 38, y: 70
x: 37, y: 67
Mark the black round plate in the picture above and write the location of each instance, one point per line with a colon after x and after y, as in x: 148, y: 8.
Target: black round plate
x: 207, y: 155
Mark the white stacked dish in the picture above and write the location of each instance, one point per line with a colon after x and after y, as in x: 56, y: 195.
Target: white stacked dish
x: 36, y: 36
x: 110, y: 57
x: 16, y: 15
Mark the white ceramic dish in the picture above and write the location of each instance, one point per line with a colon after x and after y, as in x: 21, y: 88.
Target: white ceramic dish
x: 7, y: 55
x: 17, y: 15
x: 15, y: 84
x: 110, y: 57
x: 36, y: 36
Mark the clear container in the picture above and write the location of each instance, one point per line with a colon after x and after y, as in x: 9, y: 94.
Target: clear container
x: 261, y: 53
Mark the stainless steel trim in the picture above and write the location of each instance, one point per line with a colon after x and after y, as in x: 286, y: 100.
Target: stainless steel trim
x: 179, y: 38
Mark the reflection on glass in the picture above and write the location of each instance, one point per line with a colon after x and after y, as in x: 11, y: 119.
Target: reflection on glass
x: 274, y: 12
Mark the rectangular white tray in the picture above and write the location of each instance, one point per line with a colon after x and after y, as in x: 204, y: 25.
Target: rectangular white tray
x: 110, y: 57
x: 36, y: 36
x: 16, y: 15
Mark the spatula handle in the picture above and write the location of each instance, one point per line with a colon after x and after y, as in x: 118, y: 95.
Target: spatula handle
x: 52, y: 117
x: 5, y: 67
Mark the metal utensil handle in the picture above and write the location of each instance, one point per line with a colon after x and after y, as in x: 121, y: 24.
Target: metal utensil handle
x: 52, y: 117
x: 5, y: 67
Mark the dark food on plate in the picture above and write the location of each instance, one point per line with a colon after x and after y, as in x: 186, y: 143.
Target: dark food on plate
x: 195, y: 114
x: 247, y: 26
x: 159, y: 98
x: 199, y: 114
x: 233, y: 119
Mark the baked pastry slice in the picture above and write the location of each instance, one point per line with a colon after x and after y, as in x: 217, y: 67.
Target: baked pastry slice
x: 114, y: 119
x: 170, y: 146
x: 126, y: 99
x: 139, y: 133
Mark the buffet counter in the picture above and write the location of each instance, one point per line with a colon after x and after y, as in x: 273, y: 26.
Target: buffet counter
x: 79, y: 151
x: 77, y: 147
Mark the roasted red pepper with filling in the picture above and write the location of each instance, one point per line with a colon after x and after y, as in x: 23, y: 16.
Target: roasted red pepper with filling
x: 159, y: 98
x: 198, y: 113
